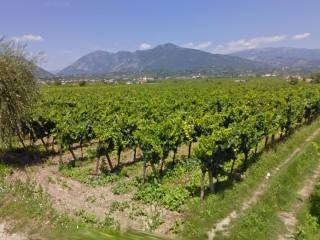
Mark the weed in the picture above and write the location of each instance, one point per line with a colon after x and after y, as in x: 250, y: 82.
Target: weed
x: 109, y: 222
x: 119, y: 206
x: 86, y: 217
x: 123, y: 187
x: 91, y: 199
x: 172, y: 198
x: 51, y: 180
x: 154, y: 221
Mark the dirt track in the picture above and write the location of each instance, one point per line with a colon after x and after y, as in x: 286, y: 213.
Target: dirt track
x: 223, y: 224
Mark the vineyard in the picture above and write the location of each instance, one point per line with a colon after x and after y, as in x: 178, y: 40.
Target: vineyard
x: 183, y: 141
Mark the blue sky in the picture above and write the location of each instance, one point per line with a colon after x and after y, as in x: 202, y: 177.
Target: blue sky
x: 67, y: 29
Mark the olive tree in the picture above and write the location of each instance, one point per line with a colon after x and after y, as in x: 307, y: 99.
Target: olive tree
x: 18, y: 89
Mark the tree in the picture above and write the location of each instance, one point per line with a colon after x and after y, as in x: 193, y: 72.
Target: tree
x: 18, y: 89
x: 247, y: 138
x: 191, y: 132
x: 315, y: 78
x: 213, y: 152
x: 150, y: 145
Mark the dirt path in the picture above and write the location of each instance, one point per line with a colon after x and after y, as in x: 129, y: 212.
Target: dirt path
x: 5, y: 235
x: 289, y: 218
x: 223, y: 224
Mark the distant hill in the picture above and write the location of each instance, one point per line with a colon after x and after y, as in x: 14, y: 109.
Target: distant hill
x: 294, y: 59
x: 41, y: 73
x: 163, y: 58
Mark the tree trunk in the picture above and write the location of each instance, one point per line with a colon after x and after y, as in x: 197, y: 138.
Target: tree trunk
x: 232, y: 167
x: 60, y: 156
x: 119, y: 158
x: 81, y: 149
x: 52, y: 145
x: 266, y: 142
x: 203, y: 175
x: 245, y: 162
x: 154, y: 169
x: 256, y: 150
x: 31, y: 140
x: 21, y: 140
x: 97, y: 165
x: 211, y: 186
x: 174, y: 156
x: 272, y: 139
x: 72, y: 162
x: 144, y: 173
x: 109, y: 162
x: 45, y: 145
x: 134, y: 154
x: 161, y: 166
x: 189, y: 149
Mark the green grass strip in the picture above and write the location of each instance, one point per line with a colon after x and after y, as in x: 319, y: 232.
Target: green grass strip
x: 262, y: 221
x: 203, y: 216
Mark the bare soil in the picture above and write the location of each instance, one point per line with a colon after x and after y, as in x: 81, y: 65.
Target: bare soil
x: 70, y: 196
x: 6, y: 235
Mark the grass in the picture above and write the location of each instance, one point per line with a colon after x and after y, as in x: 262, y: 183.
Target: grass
x: 83, y: 174
x: 262, y: 221
x: 83, y: 170
x: 308, y: 218
x: 203, y: 215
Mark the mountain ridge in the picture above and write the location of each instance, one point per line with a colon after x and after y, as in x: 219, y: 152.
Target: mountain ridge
x: 294, y: 59
x: 166, y: 57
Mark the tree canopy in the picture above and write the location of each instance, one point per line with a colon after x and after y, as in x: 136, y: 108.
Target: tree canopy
x: 18, y: 89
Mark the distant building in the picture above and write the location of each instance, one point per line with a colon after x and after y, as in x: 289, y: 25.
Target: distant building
x: 269, y: 75
x: 240, y: 81
x: 294, y: 76
x: 109, y: 81
x: 145, y: 79
x: 196, y: 76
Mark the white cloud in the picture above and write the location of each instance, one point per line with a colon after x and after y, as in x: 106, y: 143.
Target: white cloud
x: 144, y: 46
x: 203, y: 45
x: 244, y: 44
x: 200, y: 46
x: 28, y: 38
x: 301, y: 36
x: 187, y: 45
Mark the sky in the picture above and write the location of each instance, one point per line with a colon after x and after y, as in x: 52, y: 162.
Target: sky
x: 64, y: 30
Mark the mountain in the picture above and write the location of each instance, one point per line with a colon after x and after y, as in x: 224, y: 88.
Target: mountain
x: 294, y: 59
x: 41, y: 73
x: 163, y: 58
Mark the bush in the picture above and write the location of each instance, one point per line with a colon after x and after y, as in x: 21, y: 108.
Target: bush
x: 82, y: 83
x: 315, y: 78
x: 18, y: 90
x: 172, y: 198
x: 123, y: 187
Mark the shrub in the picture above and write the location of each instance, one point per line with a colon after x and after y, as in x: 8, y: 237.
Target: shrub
x: 171, y: 198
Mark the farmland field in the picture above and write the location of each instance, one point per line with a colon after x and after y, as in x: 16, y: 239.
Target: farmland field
x: 171, y: 158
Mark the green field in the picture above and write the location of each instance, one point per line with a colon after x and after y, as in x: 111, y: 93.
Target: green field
x: 170, y: 158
